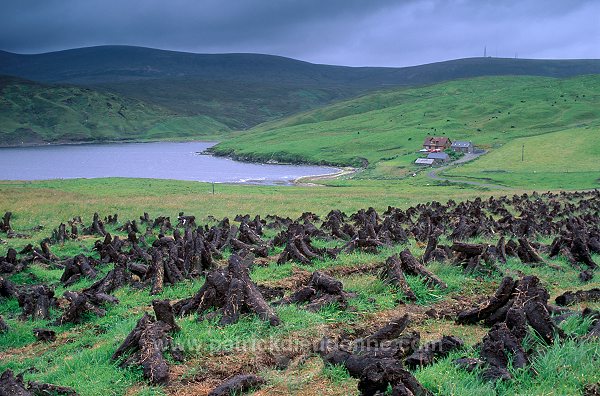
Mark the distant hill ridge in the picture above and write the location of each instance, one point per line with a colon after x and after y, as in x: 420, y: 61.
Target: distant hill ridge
x: 109, y: 64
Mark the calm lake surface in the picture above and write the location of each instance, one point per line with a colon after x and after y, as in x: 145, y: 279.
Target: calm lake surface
x: 164, y: 160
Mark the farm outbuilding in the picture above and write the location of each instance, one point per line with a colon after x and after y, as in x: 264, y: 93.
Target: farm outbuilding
x: 424, y: 161
x: 438, y: 157
x: 462, y: 146
x: 436, y: 143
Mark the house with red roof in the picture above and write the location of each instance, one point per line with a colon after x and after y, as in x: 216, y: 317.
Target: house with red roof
x: 436, y: 143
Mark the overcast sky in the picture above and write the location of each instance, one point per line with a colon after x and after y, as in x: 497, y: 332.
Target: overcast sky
x: 345, y: 32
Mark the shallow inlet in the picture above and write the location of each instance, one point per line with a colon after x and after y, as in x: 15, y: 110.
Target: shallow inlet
x: 160, y: 160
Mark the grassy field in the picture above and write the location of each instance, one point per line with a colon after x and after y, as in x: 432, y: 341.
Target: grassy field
x: 386, y: 129
x: 37, y: 113
x: 42, y: 202
x: 81, y: 355
x: 563, y: 160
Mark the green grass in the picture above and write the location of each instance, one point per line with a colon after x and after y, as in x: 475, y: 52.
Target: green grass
x: 558, y: 160
x: 386, y: 128
x: 336, y: 373
x: 243, y: 90
x: 37, y: 113
x: 563, y: 368
x: 50, y: 202
x: 81, y: 356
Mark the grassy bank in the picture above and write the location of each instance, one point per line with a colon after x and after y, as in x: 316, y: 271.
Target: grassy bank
x: 385, y: 129
x: 34, y: 113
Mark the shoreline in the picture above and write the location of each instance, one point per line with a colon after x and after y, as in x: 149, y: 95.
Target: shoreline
x: 37, y: 145
x: 331, y: 172
x: 307, y: 181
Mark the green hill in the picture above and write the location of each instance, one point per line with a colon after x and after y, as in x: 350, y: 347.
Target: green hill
x: 36, y: 113
x: 566, y: 159
x: 110, y: 64
x: 385, y: 129
x: 243, y: 90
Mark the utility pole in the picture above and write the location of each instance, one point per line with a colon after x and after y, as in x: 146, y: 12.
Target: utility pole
x: 213, y: 186
x: 523, y: 153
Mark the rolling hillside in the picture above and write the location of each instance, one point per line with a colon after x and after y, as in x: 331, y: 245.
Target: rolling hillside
x: 110, y: 64
x: 36, y: 113
x: 244, y: 90
x: 566, y: 159
x: 385, y: 129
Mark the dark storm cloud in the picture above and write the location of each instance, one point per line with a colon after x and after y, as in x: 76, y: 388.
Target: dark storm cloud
x: 352, y: 32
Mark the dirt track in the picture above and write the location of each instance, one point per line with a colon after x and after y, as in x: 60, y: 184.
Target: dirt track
x: 433, y: 173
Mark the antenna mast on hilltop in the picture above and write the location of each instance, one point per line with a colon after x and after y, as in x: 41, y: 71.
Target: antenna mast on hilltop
x: 485, y: 51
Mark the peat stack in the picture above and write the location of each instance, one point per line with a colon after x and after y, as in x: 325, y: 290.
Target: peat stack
x: 376, y: 360
x: 220, y: 235
x: 411, y: 266
x: 7, y: 288
x: 42, y: 255
x: 186, y: 221
x: 569, y: 297
x: 81, y: 303
x: 44, y: 335
x: 110, y: 249
x: 396, y: 266
x: 163, y: 223
x: 248, y: 240
x: 60, y: 234
x: 112, y: 219
x: 129, y: 227
x: 9, y: 264
x: 96, y: 228
x: 231, y: 292
x: 3, y: 325
x: 435, y: 252
x: 392, y: 273
x: 11, y: 385
x: 321, y: 290
x: 527, y: 253
x: 197, y: 253
x: 76, y: 268
x: 145, y: 344
x: 145, y: 219
x: 472, y: 256
x: 365, y: 240
x: 166, y: 266
x: 116, y: 278
x: 277, y: 222
x: 298, y: 246
x: 5, y: 223
x: 465, y: 229
x: 237, y: 384
x: 335, y: 223
x: 35, y: 302
x: 514, y: 306
x: 577, y: 250
x: 256, y: 225
x: 433, y: 350
x: 391, y: 232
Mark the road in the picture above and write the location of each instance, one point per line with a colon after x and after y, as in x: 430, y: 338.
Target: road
x: 433, y: 173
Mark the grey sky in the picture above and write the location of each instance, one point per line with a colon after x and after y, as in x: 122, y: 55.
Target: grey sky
x: 347, y: 32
